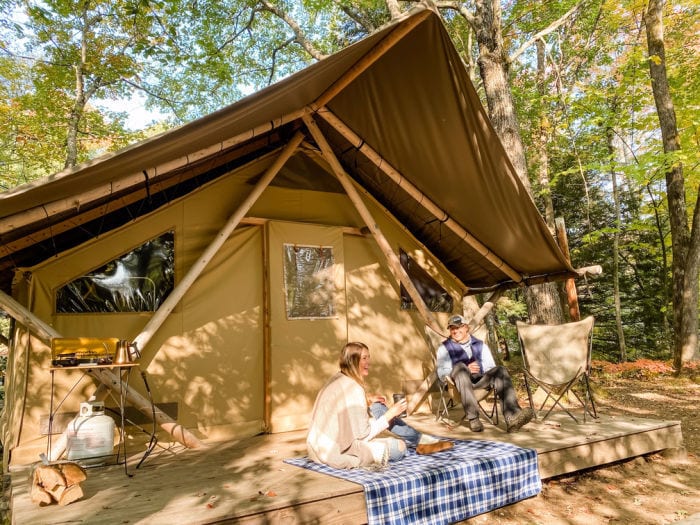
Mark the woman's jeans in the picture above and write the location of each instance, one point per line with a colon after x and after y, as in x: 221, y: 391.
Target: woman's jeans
x: 397, y: 426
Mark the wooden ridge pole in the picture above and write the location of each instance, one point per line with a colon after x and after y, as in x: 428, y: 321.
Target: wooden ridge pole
x: 369, y: 58
x: 416, y: 194
x: 183, y: 286
x: 46, y: 332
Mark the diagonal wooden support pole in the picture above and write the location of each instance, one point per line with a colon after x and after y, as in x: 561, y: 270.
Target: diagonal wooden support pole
x: 385, y: 167
x: 180, y: 290
x: 46, y: 332
x: 385, y: 247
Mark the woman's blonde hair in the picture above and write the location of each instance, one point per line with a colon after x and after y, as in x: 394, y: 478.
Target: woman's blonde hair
x: 350, y: 361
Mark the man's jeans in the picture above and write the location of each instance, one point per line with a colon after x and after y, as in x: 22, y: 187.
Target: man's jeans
x: 497, y: 378
x: 397, y: 425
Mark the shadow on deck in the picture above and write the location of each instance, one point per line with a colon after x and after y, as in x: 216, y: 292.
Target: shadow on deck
x: 246, y: 481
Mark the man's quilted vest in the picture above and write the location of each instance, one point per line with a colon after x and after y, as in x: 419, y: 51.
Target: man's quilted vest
x: 458, y: 355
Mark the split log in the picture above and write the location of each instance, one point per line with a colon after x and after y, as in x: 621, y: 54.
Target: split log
x: 73, y: 473
x: 40, y: 496
x: 49, y: 477
x: 57, y: 483
x: 71, y: 494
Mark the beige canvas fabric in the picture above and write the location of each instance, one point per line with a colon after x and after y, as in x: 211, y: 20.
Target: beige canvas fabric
x: 225, y: 354
x: 415, y: 106
x: 556, y: 354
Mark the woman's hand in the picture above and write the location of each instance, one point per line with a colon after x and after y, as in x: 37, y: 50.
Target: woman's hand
x: 396, y: 409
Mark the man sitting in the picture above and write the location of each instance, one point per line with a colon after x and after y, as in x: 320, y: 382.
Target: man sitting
x: 470, y: 364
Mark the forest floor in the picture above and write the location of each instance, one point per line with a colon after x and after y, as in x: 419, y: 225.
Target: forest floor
x: 649, y: 490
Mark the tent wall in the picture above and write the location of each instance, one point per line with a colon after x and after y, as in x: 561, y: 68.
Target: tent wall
x: 209, y: 355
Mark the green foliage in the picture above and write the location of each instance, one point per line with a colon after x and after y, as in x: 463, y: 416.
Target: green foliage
x: 192, y: 58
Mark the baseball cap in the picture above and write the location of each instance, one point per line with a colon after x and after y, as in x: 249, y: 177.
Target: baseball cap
x: 456, y: 320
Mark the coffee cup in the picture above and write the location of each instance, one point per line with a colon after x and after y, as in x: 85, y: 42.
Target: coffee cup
x: 397, y: 398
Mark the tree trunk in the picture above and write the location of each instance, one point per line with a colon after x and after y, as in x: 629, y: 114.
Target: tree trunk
x: 542, y: 158
x: 542, y: 300
x: 685, y: 249
x: 76, y: 115
x: 80, y: 99
x: 616, y: 247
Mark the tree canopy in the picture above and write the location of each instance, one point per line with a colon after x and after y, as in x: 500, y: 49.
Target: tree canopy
x: 577, y: 72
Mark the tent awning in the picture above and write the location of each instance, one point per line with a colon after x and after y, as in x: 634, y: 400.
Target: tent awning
x: 408, y: 127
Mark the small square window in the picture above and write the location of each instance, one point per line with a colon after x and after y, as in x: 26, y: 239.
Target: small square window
x: 309, y: 281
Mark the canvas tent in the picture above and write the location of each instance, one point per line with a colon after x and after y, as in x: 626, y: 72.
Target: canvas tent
x: 292, y: 221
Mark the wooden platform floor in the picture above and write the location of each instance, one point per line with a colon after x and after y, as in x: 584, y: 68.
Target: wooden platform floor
x: 246, y: 481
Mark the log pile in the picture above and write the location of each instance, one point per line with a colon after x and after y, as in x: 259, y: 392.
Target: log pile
x: 58, y: 483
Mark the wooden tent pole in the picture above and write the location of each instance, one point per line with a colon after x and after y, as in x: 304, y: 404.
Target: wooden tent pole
x: 569, y: 284
x: 183, y: 286
x: 369, y: 58
x: 46, y: 332
x: 393, y: 261
x: 416, y: 194
x: 152, y: 174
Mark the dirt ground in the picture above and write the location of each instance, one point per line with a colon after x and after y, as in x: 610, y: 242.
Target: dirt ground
x: 647, y: 490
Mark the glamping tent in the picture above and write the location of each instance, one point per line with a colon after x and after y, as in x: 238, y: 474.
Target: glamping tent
x: 359, y: 199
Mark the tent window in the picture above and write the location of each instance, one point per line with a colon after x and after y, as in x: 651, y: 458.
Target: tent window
x: 434, y: 295
x: 138, y: 281
x: 308, y: 281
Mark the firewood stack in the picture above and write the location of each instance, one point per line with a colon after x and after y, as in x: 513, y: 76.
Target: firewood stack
x: 58, y: 483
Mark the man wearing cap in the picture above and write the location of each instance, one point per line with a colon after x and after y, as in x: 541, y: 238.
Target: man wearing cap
x: 470, y: 364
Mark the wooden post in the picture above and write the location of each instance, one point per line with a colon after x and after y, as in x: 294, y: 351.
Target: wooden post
x: 385, y: 247
x: 180, y: 290
x: 569, y: 284
x: 267, y: 335
x: 46, y: 332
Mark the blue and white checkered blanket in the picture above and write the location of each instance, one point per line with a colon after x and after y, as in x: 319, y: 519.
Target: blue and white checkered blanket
x: 469, y: 479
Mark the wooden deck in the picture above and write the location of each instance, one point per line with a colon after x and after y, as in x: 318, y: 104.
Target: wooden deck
x: 247, y: 482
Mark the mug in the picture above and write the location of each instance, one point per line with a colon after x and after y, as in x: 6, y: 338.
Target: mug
x: 397, y: 398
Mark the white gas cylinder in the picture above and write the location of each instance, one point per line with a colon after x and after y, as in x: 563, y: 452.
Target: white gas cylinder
x: 91, y: 434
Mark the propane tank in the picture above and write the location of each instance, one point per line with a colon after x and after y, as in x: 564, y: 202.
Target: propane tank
x: 91, y: 434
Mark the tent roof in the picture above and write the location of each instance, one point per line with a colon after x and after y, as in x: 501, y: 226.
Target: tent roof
x: 404, y: 97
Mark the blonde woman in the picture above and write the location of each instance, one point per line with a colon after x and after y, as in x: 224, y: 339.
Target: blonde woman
x: 343, y: 435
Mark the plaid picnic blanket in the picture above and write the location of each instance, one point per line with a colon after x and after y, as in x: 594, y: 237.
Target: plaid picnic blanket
x: 469, y: 479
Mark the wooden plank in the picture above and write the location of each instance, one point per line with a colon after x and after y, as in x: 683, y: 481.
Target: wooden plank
x: 609, y: 450
x: 339, y: 510
x: 248, y: 482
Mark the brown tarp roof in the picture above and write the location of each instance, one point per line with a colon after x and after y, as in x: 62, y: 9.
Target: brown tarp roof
x: 415, y: 106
